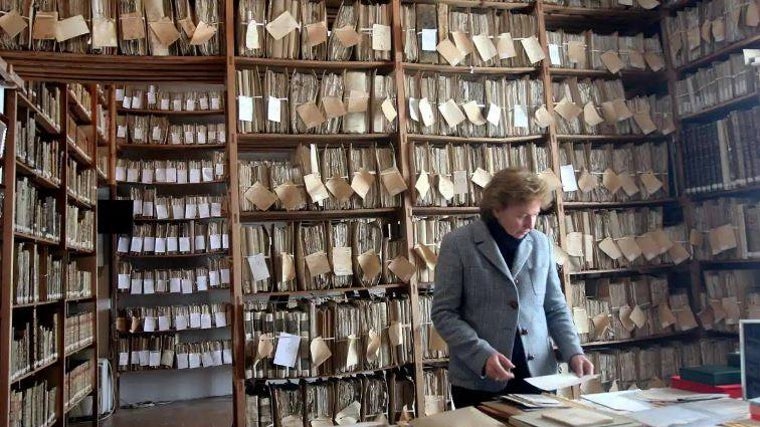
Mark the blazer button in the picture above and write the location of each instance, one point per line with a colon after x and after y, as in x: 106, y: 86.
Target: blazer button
x: 523, y: 331
x: 531, y: 357
x: 513, y: 304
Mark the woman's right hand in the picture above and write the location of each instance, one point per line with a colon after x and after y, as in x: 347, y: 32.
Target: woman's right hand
x: 499, y: 368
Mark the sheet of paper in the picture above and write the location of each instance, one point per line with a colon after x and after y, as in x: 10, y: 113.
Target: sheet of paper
x: 287, y: 350
x: 557, y: 381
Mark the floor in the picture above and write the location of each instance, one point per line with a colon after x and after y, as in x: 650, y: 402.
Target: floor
x: 215, y: 412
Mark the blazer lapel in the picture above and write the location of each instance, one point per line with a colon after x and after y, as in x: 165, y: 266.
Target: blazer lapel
x: 487, y: 246
x: 523, y: 253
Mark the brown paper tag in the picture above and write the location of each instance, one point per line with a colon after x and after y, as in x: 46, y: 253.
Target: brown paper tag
x: 611, y: 249
x: 462, y: 42
x: 132, y: 26
x: 473, y: 113
x: 188, y: 26
x: 551, y: 179
x: 590, y: 115
x: 370, y: 263
x: 666, y: 316
x: 394, y: 334
x: 567, y: 109
x: 427, y: 255
x: 358, y: 101
x: 317, y: 263
x: 260, y: 196
x: 310, y: 114
x: 693, y: 37
x: 611, y: 181
x: 422, y: 184
x: 629, y: 248
x: 203, y: 33
x: 685, y: 319
x: 636, y: 59
x: 315, y: 187
x: 320, y: 352
x: 719, y: 30
x: 705, y: 32
x: 481, y: 177
x: 281, y: 26
x: 316, y: 33
x: 753, y: 312
x: 381, y: 37
x: 339, y: 188
x: 651, y: 183
x: 450, y: 53
x: 402, y: 268
x: 393, y: 181
x: 484, y: 46
x: 347, y: 36
x: 373, y: 345
x: 580, y: 318
x: 333, y: 107
x: 722, y: 239
x: 576, y: 51
x: 678, y: 253
x: 601, y: 324
x: 288, y: 272
x: 648, y: 246
x: 587, y: 182
x: 654, y: 60
x: 629, y: 186
x: 265, y: 347
x: 104, y: 33
x: 533, y: 49
x: 290, y: 196
x: 451, y: 113
x: 341, y: 261
x: 625, y: 318
x: 362, y: 182
x: 45, y: 24
x: 695, y: 237
x: 668, y: 126
x: 574, y: 243
x: 436, y: 342
x: 12, y: 23
x: 543, y: 118
x: 389, y: 110
x: 662, y: 240
x: 648, y: 4
x: 608, y: 111
x: 612, y: 61
x: 446, y: 187
x: 622, y: 112
x: 505, y: 46
x: 165, y: 31
x: 69, y: 28
x: 716, y: 307
x: 645, y: 123
x: 752, y: 15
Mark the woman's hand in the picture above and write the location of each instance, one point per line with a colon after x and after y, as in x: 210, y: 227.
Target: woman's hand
x: 499, y: 368
x: 581, y: 366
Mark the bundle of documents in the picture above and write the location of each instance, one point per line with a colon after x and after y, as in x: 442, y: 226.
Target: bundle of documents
x: 614, y: 172
x: 719, y: 83
x: 589, y: 50
x: 698, y: 31
x: 606, y: 4
x: 472, y: 106
x: 173, y: 318
x: 215, y: 275
x: 324, y: 337
x: 533, y: 401
x: 147, y: 204
x: 159, y: 98
x: 350, y: 102
x: 731, y: 295
x: 726, y: 228
x: 172, y: 171
x: 141, y: 353
x: 445, y: 34
x: 36, y: 214
x: 433, y: 346
x: 41, y: 155
x: 176, y: 238
x: 34, y: 403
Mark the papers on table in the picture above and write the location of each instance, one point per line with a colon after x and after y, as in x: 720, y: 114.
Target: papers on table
x: 694, y: 414
x: 558, y: 381
x: 533, y: 401
x: 672, y: 395
x: 624, y: 401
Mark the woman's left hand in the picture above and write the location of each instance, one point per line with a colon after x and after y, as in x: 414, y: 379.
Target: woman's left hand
x: 581, y: 366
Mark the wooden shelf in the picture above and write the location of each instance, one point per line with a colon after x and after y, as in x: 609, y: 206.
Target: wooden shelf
x: 475, y: 4
x: 242, y: 62
x: 172, y: 370
x: 459, y: 69
x: 146, y: 112
x: 627, y: 75
x: 722, y: 108
x: 643, y: 269
x: 611, y: 138
x: 60, y: 66
x: 321, y: 292
x: 316, y: 215
x: 173, y: 184
x: 71, y: 405
x: 444, y: 211
x: 171, y: 331
x: 675, y: 335
x: 734, y: 192
x: 36, y: 304
x: 35, y: 371
x: 102, y: 178
x: 78, y: 201
x: 258, y: 141
x: 80, y: 299
x: 155, y: 220
x: 41, y: 119
x: 168, y: 147
x: 720, y: 54
x: 614, y: 205
x: 79, y: 112
x: 638, y: 16
x: 80, y: 348
x: 728, y: 264
x: 78, y: 153
x: 173, y: 256
x: 36, y: 177
x: 435, y: 361
x: 32, y: 238
x: 464, y: 140
x: 76, y: 251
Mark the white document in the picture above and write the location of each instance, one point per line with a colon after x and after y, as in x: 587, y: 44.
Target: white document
x: 287, y: 350
x: 618, y: 400
x: 557, y: 381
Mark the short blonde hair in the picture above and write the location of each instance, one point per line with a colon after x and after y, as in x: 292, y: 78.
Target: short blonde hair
x: 511, y: 186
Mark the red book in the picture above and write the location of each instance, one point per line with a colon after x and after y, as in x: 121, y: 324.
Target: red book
x: 733, y: 390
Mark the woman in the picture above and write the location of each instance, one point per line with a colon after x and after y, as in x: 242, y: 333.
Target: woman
x: 498, y: 298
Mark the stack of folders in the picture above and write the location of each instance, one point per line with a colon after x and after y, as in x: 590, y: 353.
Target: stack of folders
x: 429, y: 232
x: 35, y: 404
x: 47, y: 98
x: 347, y: 102
x: 533, y: 401
x: 609, y: 239
x: 173, y: 318
x: 284, y: 257
x: 719, y: 83
x: 731, y: 295
x: 36, y: 214
x: 618, y: 309
x: 651, y: 367
x: 81, y: 184
x: 614, y: 172
x: 474, y: 106
x: 135, y: 281
x: 437, y: 395
x: 172, y: 171
x: 331, y: 178
x: 455, y: 174
x: 43, y: 156
x: 720, y: 154
x: 148, y: 204
x: 725, y: 229
x: 445, y: 34
x: 136, y: 97
x: 188, y: 237
x: 80, y: 228
x: 333, y: 336
x: 78, y: 282
x: 298, y: 29
x: 708, y: 26
x: 143, y: 353
x: 79, y: 381
x: 29, y: 263
x: 157, y: 130
x: 589, y: 50
x: 599, y: 107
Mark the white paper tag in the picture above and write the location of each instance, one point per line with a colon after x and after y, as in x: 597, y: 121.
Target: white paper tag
x: 123, y: 281
x: 273, y: 109
x: 220, y: 319
x: 429, y: 39
x: 205, y: 321
x: 520, y: 116
x: 258, y: 265
x: 567, y: 176
x: 287, y: 350
x: 494, y: 114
